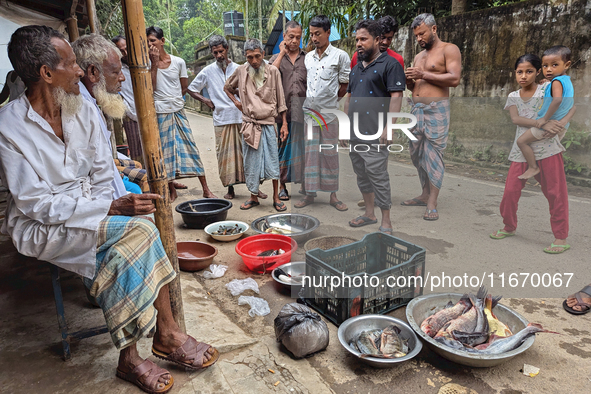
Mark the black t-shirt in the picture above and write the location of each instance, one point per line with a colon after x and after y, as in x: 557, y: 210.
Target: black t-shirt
x: 370, y: 89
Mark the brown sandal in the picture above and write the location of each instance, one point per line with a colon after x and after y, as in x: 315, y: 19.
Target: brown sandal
x: 191, y: 351
x: 151, y: 381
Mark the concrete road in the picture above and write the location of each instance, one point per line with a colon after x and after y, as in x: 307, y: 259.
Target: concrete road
x: 253, y: 362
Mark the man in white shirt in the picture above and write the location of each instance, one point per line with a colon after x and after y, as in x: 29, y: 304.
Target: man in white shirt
x: 56, y: 164
x: 328, y: 76
x: 227, y: 119
x: 130, y: 124
x: 170, y: 82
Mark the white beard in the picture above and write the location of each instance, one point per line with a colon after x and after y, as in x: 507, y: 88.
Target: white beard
x: 257, y: 75
x: 112, y: 104
x: 70, y: 103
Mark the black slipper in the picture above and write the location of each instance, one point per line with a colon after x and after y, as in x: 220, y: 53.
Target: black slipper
x: 283, y: 195
x: 279, y: 206
x: 249, y: 204
x: 366, y: 221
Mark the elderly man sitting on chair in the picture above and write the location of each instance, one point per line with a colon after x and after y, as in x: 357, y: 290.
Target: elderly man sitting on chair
x: 56, y: 164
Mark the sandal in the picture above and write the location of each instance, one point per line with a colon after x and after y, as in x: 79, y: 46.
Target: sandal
x: 283, y: 195
x: 564, y: 248
x: 279, y: 206
x: 501, y: 234
x: 303, y: 203
x: 249, y: 204
x: 429, y: 212
x: 191, y: 351
x: 417, y: 203
x: 585, y: 290
x: 386, y: 230
x: 337, y: 203
x: 151, y: 381
x: 365, y: 221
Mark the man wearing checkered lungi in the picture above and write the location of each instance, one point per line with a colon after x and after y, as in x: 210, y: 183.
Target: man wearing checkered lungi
x: 436, y: 69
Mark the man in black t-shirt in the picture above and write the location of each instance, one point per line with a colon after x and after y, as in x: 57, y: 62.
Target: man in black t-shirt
x: 375, y: 88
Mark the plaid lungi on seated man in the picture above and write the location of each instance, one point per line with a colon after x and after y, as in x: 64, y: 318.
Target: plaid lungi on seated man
x: 134, y: 171
x: 431, y: 132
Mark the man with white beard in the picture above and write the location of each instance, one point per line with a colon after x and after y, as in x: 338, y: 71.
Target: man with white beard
x: 100, y: 85
x: 56, y: 164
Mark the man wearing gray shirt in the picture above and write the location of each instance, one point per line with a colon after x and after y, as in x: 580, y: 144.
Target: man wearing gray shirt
x: 328, y: 76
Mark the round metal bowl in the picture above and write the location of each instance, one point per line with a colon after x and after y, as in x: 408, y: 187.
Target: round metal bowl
x: 355, y: 325
x: 200, y: 213
x: 424, y: 306
x: 293, y: 269
x: 228, y: 223
x: 301, y: 225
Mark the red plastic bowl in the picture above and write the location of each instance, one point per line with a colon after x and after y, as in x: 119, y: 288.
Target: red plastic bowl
x: 251, y: 246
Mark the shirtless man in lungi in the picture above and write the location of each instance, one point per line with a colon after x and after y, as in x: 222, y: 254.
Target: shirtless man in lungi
x: 435, y: 69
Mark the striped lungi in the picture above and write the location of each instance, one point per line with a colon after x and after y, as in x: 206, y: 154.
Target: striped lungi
x: 134, y: 171
x: 321, y: 172
x: 180, y: 153
x: 431, y: 131
x: 263, y: 163
x: 131, y: 268
x: 228, y: 149
x: 134, y: 142
x: 291, y: 153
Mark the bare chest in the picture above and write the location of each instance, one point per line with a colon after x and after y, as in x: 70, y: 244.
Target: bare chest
x: 432, y: 62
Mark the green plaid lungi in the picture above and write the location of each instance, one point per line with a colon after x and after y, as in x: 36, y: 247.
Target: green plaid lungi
x: 131, y: 268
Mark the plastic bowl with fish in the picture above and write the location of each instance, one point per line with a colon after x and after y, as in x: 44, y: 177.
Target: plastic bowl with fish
x: 357, y: 328
x: 424, y: 306
x: 227, y: 230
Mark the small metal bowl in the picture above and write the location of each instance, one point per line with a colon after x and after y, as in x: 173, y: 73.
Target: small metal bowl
x: 228, y: 223
x: 293, y: 269
x: 355, y: 325
x: 301, y: 225
x: 424, y: 306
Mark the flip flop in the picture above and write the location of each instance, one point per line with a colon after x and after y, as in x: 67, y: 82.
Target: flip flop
x: 303, y: 203
x: 564, y: 248
x: 585, y: 290
x: 501, y: 234
x: 365, y: 221
x: 249, y: 204
x: 361, y: 203
x: 335, y: 205
x: 284, y: 195
x: 279, y: 206
x: 151, y: 381
x: 190, y: 350
x: 428, y: 212
x: 418, y: 203
x: 386, y: 230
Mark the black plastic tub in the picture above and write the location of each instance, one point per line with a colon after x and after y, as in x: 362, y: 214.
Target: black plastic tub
x: 205, y: 211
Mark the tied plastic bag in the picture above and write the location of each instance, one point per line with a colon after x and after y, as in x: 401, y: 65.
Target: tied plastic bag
x: 215, y: 271
x: 237, y: 286
x: 258, y: 306
x: 300, y: 330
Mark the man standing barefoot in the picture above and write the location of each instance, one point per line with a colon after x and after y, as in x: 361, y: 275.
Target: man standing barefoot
x: 434, y: 71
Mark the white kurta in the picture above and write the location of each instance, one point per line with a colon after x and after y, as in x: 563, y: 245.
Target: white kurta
x: 59, y: 190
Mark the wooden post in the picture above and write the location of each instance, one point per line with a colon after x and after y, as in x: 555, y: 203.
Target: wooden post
x: 260, y: 22
x: 137, y: 50
x: 283, y: 16
x: 91, y: 10
x: 72, y: 23
x: 246, y: 20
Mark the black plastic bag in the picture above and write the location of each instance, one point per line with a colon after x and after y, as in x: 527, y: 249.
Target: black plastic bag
x: 300, y: 330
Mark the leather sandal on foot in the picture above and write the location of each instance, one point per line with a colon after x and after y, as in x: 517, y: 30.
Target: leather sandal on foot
x: 336, y: 206
x: 279, y: 206
x: 429, y: 212
x: 249, y: 204
x: 386, y: 230
x: 364, y: 221
x: 284, y: 195
x: 150, y: 383
x: 585, y: 306
x: 415, y: 202
x: 190, y: 355
x: 303, y: 203
x: 501, y: 234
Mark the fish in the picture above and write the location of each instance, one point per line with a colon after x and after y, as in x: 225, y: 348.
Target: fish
x: 390, y: 341
x: 464, y: 323
x: 479, y: 334
x: 393, y: 355
x: 435, y: 322
x: 495, y: 326
x: 366, y: 342
x: 499, y: 345
x: 271, y: 252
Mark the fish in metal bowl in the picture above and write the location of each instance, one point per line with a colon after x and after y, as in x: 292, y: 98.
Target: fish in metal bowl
x: 378, y: 340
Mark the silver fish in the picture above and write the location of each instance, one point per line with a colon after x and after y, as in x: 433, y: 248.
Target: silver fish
x: 390, y: 341
x: 480, y: 333
x: 502, y: 345
x: 435, y: 322
x: 366, y: 342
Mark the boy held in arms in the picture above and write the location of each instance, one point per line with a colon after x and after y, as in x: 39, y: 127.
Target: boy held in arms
x: 558, y: 101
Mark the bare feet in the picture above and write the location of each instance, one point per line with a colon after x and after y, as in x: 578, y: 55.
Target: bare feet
x: 208, y: 194
x: 530, y: 172
x: 172, y: 192
x: 419, y: 201
x: 304, y: 202
x: 230, y: 195
x: 262, y: 195
x: 129, y: 359
x: 178, y: 185
x: 167, y: 344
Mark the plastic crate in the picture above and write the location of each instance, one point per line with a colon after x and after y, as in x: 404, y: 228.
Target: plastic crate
x: 377, y: 255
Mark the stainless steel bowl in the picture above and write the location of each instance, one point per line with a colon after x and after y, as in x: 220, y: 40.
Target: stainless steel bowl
x: 424, y: 306
x: 355, y: 325
x: 301, y: 225
x: 293, y: 269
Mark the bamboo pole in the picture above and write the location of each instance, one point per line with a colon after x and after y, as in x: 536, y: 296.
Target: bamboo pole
x: 246, y: 20
x: 137, y: 50
x: 72, y: 23
x: 91, y: 10
x: 260, y: 22
x: 283, y: 16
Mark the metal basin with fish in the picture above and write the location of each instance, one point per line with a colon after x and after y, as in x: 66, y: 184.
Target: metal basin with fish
x: 424, y: 306
x: 294, y: 225
x: 352, y: 327
x: 295, y: 269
